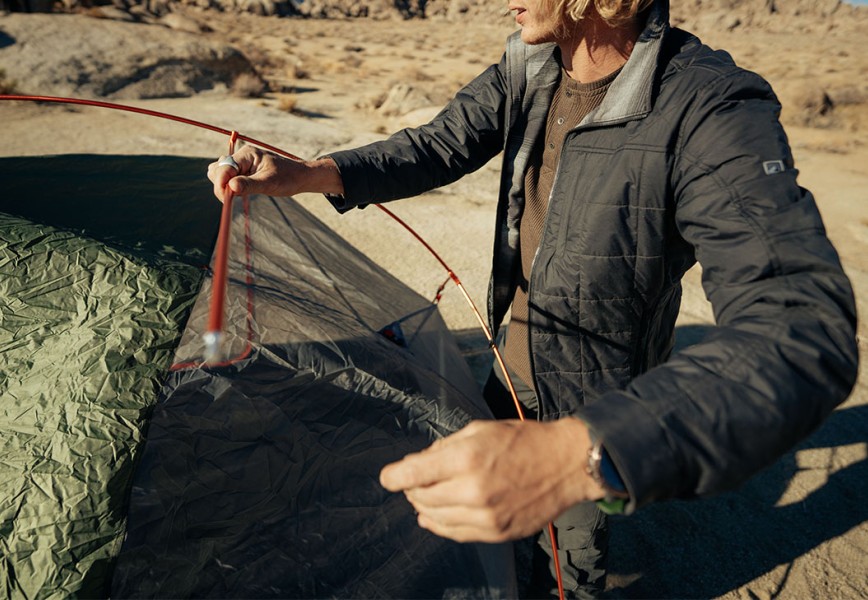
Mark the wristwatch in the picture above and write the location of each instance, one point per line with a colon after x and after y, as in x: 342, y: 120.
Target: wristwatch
x: 603, y: 471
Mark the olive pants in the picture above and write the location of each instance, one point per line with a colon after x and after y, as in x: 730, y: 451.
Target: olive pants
x: 582, y: 531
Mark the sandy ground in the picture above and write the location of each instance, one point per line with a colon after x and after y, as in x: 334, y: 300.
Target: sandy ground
x: 796, y: 530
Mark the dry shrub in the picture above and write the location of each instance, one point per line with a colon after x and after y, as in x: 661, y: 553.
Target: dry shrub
x: 353, y: 62
x: 417, y: 74
x: 257, y: 56
x: 348, y: 64
x: 288, y: 103
x: 849, y: 95
x: 7, y: 86
x: 811, y: 106
x: 248, y: 85
x: 372, y: 102
x: 330, y: 66
x: 298, y: 71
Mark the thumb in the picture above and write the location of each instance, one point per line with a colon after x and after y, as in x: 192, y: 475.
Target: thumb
x: 243, y: 184
x: 260, y: 182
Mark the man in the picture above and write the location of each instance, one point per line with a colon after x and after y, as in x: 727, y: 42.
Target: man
x: 630, y: 151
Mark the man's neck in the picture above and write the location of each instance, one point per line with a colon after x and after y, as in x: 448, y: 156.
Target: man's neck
x: 595, y: 50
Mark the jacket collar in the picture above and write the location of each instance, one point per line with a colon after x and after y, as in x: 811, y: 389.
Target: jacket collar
x: 630, y: 94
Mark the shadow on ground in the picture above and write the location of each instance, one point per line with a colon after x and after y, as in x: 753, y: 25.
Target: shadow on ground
x: 707, y: 548
x: 6, y: 39
x: 704, y: 549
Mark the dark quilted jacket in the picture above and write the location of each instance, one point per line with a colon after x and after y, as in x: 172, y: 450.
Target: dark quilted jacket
x: 684, y: 160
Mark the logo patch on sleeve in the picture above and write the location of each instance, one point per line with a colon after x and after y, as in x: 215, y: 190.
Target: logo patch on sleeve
x: 773, y: 166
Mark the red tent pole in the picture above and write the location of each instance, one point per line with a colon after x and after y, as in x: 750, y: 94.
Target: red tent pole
x: 213, y: 337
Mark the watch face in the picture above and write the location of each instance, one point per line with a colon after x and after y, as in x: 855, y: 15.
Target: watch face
x: 603, y: 470
x: 595, y: 453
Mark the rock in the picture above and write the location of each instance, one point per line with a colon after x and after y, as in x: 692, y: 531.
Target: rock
x: 158, y: 7
x: 770, y: 15
x: 732, y: 23
x: 111, y: 12
x: 417, y: 117
x: 402, y: 99
x: 262, y: 8
x: 812, y: 105
x: 180, y: 22
x: 113, y: 59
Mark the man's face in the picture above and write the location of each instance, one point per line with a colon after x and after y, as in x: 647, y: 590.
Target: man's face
x: 539, y: 24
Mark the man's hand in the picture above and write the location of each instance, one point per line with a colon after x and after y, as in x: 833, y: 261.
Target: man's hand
x: 496, y: 480
x: 261, y: 172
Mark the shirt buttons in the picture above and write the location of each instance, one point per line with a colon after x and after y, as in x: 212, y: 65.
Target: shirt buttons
x: 551, y: 145
x: 561, y: 121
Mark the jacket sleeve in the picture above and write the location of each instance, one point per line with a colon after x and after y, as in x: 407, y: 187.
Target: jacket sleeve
x: 465, y: 135
x: 783, y: 354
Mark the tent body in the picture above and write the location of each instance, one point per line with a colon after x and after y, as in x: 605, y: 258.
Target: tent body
x: 96, y: 281
x: 132, y: 469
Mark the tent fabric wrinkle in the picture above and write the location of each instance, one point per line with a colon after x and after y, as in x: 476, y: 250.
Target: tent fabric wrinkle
x: 69, y: 435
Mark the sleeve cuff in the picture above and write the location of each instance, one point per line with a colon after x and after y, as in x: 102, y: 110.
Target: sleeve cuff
x: 638, y: 446
x: 356, y: 192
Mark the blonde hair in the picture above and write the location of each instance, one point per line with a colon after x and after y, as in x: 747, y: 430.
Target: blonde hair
x: 613, y: 12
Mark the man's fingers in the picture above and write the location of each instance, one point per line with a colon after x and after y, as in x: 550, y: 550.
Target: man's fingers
x: 412, y: 471
x: 430, y: 466
x: 260, y: 182
x: 447, y: 458
x: 494, y: 519
x: 465, y: 525
x: 220, y: 176
x: 488, y: 483
x: 240, y: 184
x: 223, y: 174
x: 468, y: 491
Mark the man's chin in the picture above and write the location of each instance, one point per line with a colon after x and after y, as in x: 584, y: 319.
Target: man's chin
x: 529, y: 38
x: 532, y: 38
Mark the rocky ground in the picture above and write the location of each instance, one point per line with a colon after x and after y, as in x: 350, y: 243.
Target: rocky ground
x: 314, y: 85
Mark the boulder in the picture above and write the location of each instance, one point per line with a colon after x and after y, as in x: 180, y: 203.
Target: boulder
x: 402, y: 99
x: 112, y: 59
x: 768, y: 15
x: 181, y: 22
x: 811, y: 106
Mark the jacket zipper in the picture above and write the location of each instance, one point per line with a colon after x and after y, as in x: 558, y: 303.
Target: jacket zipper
x: 539, y: 412
x: 575, y: 129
